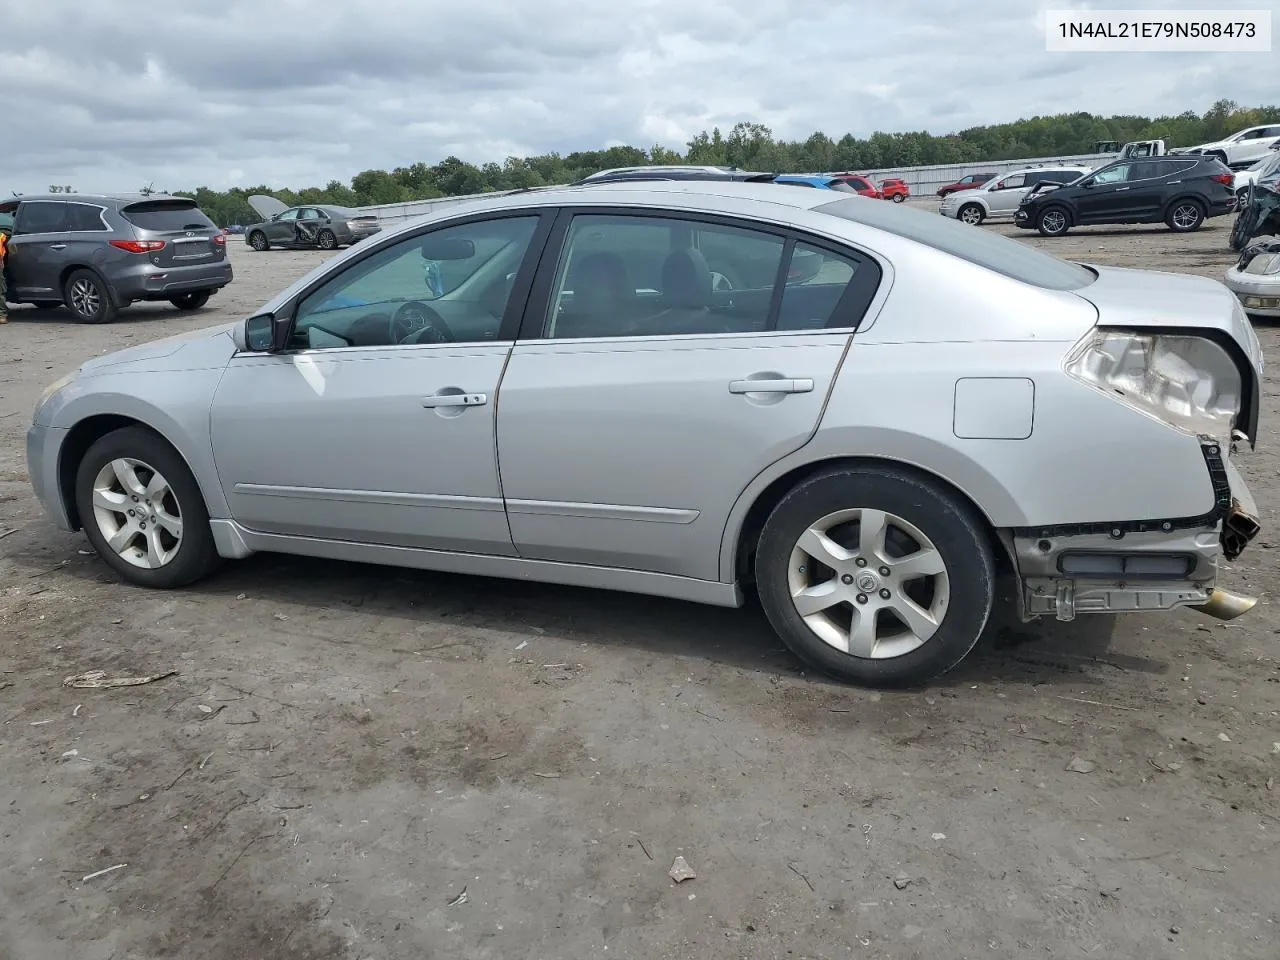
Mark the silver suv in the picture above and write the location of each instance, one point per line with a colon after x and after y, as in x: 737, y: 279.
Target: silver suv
x: 97, y: 254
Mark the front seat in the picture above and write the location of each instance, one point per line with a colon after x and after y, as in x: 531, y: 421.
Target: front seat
x: 686, y: 294
x: 603, y: 298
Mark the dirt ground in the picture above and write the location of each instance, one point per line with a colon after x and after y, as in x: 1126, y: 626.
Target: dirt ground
x: 356, y: 762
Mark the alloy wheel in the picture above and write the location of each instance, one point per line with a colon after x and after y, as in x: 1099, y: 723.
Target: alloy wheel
x: 85, y: 298
x: 868, y: 583
x: 1055, y: 221
x: 1186, y: 215
x: 137, y: 513
x: 971, y: 215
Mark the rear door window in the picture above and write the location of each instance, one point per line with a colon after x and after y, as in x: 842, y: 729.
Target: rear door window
x: 165, y: 216
x: 41, y: 216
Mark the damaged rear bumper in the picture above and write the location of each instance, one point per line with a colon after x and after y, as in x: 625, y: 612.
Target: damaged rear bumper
x: 1139, y: 566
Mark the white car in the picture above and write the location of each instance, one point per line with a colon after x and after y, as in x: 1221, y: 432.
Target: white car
x: 1241, y: 149
x: 1000, y: 196
x: 1255, y: 278
x: 1244, y: 179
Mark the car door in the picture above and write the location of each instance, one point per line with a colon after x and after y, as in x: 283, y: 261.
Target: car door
x: 1102, y: 197
x: 377, y: 424
x: 1003, y: 198
x: 37, y: 249
x: 281, y: 231
x: 631, y: 416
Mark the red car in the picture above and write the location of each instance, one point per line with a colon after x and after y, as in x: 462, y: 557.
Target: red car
x: 894, y: 189
x: 969, y: 182
x: 861, y: 183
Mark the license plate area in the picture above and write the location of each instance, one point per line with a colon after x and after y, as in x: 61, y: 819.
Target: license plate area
x: 192, y: 248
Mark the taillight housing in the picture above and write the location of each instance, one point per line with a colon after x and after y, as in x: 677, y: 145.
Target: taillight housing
x: 138, y: 246
x: 1224, y: 178
x: 220, y: 239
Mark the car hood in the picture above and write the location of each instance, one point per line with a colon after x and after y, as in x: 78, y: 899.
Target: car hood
x: 209, y: 347
x: 266, y: 207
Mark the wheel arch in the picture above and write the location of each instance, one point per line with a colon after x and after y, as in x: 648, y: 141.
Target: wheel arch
x: 1188, y: 195
x: 65, y: 274
x: 741, y: 537
x: 88, y: 430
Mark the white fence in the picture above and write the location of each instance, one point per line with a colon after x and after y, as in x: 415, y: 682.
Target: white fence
x: 923, y: 181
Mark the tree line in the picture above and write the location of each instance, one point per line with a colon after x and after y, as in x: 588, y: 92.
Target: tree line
x: 752, y: 146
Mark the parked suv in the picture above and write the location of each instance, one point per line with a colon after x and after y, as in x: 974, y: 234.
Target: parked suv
x: 97, y: 254
x: 1181, y: 192
x: 1000, y: 197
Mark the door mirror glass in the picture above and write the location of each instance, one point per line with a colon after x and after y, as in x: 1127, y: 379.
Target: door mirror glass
x: 438, y: 247
x: 266, y: 333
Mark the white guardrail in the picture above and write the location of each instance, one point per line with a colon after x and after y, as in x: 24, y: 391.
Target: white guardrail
x: 922, y: 181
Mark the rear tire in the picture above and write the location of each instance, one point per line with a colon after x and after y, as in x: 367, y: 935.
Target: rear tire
x: 88, y: 297
x: 898, y: 198
x: 327, y: 240
x: 191, y: 301
x: 1184, y: 216
x: 258, y: 241
x: 929, y: 577
x: 163, y: 495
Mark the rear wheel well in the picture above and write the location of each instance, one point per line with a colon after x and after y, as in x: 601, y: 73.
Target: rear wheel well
x: 66, y: 273
x: 758, y: 513
x: 79, y: 439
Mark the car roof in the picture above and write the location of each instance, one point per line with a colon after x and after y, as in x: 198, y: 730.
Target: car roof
x: 804, y: 178
x: 120, y: 199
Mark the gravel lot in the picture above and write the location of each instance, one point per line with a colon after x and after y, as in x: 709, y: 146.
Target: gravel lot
x: 344, y: 751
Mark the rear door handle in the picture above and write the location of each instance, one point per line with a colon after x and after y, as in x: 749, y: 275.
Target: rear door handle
x: 456, y: 400
x: 57, y: 246
x: 771, y: 386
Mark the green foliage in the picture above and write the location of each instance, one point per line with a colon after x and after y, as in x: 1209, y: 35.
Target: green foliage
x: 751, y: 146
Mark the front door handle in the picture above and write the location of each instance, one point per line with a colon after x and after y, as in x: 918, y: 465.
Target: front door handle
x: 771, y: 386
x: 57, y: 246
x: 456, y: 400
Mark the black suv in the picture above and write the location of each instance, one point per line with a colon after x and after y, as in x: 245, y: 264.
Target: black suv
x: 97, y: 254
x: 674, y: 172
x: 1181, y: 192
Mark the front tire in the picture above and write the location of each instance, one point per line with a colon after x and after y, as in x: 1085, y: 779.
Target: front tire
x: 875, y: 576
x: 1185, y: 216
x: 142, y: 510
x: 1053, y: 222
x: 258, y: 241
x: 972, y: 214
x: 191, y: 301
x: 88, y: 297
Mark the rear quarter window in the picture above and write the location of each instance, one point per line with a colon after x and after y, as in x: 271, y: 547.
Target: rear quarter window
x: 166, y: 215
x: 1003, y: 255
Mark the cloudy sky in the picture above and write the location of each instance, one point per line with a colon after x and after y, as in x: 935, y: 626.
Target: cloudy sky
x: 115, y: 94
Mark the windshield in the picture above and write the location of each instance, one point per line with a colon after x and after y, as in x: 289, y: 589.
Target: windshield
x: 1004, y: 255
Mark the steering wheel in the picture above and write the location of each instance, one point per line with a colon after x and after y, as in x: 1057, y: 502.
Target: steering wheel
x: 415, y: 322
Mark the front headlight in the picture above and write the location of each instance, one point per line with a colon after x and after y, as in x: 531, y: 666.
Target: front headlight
x: 50, y: 390
x: 1190, y: 383
x: 1273, y: 267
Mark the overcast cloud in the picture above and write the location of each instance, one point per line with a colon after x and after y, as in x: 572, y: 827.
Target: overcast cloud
x: 115, y: 94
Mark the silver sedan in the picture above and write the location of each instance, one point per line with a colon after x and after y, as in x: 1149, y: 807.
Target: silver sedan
x: 860, y: 412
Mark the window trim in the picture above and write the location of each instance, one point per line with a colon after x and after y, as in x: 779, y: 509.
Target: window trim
x: 855, y: 296
x: 516, y: 302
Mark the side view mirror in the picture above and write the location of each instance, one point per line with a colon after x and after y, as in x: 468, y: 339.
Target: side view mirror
x: 264, y: 333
